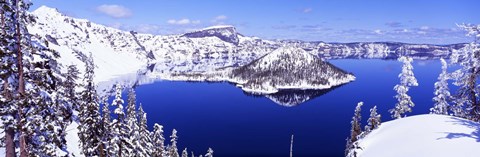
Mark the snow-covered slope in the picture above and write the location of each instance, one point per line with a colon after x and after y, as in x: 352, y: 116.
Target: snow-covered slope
x: 114, y: 52
x: 288, y: 68
x: 423, y: 136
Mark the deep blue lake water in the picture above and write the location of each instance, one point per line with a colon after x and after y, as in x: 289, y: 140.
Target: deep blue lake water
x: 221, y: 116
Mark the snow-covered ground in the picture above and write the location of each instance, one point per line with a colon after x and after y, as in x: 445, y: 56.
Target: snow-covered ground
x: 423, y: 136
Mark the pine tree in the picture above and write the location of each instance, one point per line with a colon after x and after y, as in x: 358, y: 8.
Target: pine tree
x: 209, y: 153
x: 467, y: 101
x: 145, y: 142
x: 356, y: 130
x: 374, y: 121
x: 120, y: 142
x: 407, y: 79
x: 71, y: 86
x: 132, y: 122
x: 29, y: 112
x: 8, y: 108
x: 158, y: 141
x: 105, y: 127
x: 184, y: 153
x: 442, y: 93
x: 173, y: 150
x: 89, y: 116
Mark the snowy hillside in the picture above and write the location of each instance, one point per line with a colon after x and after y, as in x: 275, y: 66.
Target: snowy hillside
x: 421, y: 136
x: 115, y: 52
x: 288, y: 68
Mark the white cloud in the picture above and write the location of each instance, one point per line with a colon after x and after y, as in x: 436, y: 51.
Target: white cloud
x: 307, y: 10
x: 424, y: 28
x: 219, y: 19
x: 115, y: 11
x: 195, y: 21
x: 379, y: 32
x: 182, y: 21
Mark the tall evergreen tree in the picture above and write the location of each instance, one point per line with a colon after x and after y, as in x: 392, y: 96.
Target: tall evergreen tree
x: 355, y: 131
x: 105, y: 128
x: 173, y: 150
x: 407, y: 79
x: 89, y: 116
x: 71, y: 86
x: 468, y: 94
x: 29, y: 79
x: 145, y: 142
x: 132, y: 123
x: 158, y: 141
x: 8, y: 88
x: 442, y: 93
x: 120, y: 142
x: 374, y: 120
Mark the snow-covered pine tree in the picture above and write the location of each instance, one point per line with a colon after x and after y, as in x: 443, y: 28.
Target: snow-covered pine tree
x: 89, y: 115
x: 355, y: 131
x: 29, y: 79
x: 468, y: 94
x: 105, y: 128
x: 184, y: 153
x: 407, y: 79
x: 70, y: 86
x: 132, y: 123
x: 8, y: 108
x: 209, y: 153
x: 120, y: 143
x: 145, y: 142
x: 158, y: 141
x: 374, y: 121
x: 442, y: 93
x: 173, y: 150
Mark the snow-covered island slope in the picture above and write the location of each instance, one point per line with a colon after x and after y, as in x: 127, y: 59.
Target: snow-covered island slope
x: 288, y: 68
x: 423, y: 136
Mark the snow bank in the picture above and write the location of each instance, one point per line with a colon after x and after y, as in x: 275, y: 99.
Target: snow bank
x: 423, y: 136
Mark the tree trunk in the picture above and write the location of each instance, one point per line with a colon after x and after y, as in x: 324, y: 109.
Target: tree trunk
x: 102, y: 150
x: 21, y: 85
x: 120, y: 150
x: 9, y: 142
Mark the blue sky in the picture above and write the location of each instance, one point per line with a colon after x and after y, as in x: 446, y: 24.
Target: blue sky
x: 412, y: 21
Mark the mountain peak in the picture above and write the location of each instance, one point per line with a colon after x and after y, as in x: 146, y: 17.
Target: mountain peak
x: 226, y: 33
x: 47, y: 11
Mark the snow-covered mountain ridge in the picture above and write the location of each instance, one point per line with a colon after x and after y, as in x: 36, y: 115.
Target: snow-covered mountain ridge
x: 118, y: 52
